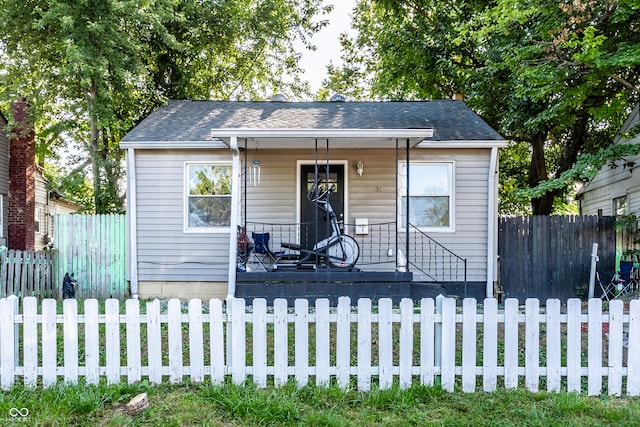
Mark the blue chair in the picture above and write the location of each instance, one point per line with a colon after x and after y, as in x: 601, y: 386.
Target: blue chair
x: 264, y: 255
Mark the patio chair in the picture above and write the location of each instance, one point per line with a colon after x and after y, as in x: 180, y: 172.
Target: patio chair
x: 263, y: 254
x: 616, y: 283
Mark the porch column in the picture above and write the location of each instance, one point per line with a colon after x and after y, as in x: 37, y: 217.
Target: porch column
x: 492, y: 223
x: 235, y: 211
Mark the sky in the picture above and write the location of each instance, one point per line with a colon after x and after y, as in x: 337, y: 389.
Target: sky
x: 327, y: 43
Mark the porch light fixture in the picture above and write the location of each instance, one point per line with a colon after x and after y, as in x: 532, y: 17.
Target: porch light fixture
x: 359, y: 167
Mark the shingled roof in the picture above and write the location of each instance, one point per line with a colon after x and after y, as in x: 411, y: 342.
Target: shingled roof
x: 194, y: 120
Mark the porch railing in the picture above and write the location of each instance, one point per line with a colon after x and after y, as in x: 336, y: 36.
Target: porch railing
x: 429, y: 260
x: 433, y: 261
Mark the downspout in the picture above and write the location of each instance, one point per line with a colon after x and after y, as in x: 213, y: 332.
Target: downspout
x: 492, y: 226
x: 132, y: 222
x: 235, y: 210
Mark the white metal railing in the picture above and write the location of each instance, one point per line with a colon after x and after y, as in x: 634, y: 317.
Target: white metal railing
x: 472, y: 346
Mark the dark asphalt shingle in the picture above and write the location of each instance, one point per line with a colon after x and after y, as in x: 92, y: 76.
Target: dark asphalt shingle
x: 194, y: 120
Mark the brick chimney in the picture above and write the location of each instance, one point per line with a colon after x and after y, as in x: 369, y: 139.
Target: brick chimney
x: 22, y: 181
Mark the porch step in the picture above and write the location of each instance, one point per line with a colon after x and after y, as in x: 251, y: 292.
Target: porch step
x: 329, y: 284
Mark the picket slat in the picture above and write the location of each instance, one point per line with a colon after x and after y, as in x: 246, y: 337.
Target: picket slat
x: 70, y: 331
x: 30, y: 342
x: 385, y: 340
x: 260, y: 342
x: 134, y: 363
x: 532, y: 344
x: 594, y: 352
x: 92, y: 341
x: 364, y: 344
x: 323, y: 344
x: 614, y: 379
x: 490, y: 345
x: 469, y: 350
x: 519, y: 333
x: 554, y: 341
x: 302, y: 341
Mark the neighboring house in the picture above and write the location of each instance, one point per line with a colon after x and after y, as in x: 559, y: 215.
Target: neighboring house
x: 615, y: 190
x: 4, y: 179
x: 48, y: 203
x: 198, y: 169
x: 27, y: 202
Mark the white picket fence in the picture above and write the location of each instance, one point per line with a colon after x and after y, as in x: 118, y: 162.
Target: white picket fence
x: 472, y: 347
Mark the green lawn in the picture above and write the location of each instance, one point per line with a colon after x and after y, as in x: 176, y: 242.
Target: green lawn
x: 228, y: 405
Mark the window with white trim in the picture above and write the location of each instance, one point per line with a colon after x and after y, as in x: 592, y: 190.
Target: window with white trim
x: 208, y: 196
x: 430, y: 195
x: 620, y: 206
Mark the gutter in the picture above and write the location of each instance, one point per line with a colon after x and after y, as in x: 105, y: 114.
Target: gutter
x: 235, y: 211
x: 492, y: 223
x: 132, y: 215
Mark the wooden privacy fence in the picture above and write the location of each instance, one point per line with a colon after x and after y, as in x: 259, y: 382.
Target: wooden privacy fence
x: 26, y: 273
x: 93, y: 247
x: 469, y: 347
x: 549, y: 256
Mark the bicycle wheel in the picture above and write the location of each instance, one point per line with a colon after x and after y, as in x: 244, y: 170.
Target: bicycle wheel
x: 344, y: 253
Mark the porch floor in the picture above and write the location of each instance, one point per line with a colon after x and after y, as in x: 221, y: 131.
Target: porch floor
x: 332, y: 284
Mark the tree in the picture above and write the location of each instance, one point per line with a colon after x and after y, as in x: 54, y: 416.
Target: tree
x: 556, y: 78
x: 92, y: 68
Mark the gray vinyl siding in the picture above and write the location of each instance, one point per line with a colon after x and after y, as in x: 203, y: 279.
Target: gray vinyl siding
x: 4, y: 180
x: 165, y: 251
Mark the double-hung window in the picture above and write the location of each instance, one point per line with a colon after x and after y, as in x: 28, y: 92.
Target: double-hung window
x: 208, y: 196
x: 430, y: 195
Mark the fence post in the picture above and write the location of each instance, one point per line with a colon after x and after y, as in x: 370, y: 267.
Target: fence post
x: 437, y: 345
x: 8, y: 341
x: 592, y: 272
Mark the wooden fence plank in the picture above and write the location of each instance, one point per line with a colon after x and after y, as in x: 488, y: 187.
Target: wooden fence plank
x: 385, y: 343
x: 594, y: 353
x: 511, y: 326
x: 343, y: 342
x: 469, y: 342
x: 216, y: 335
x: 301, y: 348
x: 260, y: 342
x: 7, y: 343
x: 615, y: 351
x: 237, y: 353
x: 112, y: 340
x: 448, y: 370
x: 280, y: 342
x: 490, y: 345
x: 553, y: 345
x: 30, y: 341
x: 323, y: 346
x: 364, y: 344
x: 134, y: 363
x: 574, y: 347
x: 532, y: 344
x: 633, y: 353
x: 174, y: 337
x: 70, y: 331
x: 49, y: 343
x: 406, y: 342
x: 196, y: 341
x: 92, y: 341
x: 427, y: 341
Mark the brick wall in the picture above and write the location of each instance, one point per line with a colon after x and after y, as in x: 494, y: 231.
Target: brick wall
x: 22, y: 181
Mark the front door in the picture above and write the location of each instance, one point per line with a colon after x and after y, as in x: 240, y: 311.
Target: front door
x: 315, y: 225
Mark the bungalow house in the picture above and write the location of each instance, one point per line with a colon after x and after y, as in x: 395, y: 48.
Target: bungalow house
x: 413, y: 183
x: 615, y: 190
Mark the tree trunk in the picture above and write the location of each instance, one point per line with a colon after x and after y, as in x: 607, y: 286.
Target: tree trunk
x: 537, y: 173
x: 93, y: 143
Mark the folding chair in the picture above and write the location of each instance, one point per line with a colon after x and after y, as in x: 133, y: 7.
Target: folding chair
x: 614, y: 284
x: 608, y: 284
x: 262, y: 252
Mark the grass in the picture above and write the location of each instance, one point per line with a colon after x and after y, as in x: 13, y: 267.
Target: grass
x: 231, y: 405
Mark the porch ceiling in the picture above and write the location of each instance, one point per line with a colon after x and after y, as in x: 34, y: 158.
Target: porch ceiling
x: 338, y: 138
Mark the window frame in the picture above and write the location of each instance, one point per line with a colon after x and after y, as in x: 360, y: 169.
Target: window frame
x: 615, y: 205
x: 185, y: 198
x: 451, y: 168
